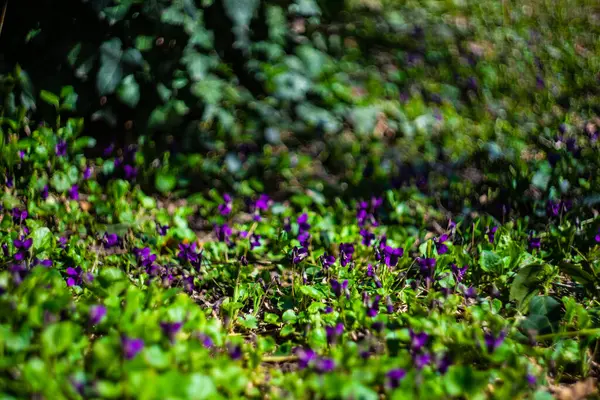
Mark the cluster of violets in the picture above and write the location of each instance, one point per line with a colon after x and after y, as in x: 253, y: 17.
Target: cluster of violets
x: 367, y: 214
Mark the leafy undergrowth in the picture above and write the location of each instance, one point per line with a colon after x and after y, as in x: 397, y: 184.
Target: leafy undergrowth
x: 109, y: 293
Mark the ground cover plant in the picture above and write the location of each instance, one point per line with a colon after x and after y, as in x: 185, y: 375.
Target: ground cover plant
x: 357, y: 200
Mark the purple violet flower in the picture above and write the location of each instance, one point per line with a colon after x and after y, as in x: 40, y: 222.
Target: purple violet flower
x: 303, y: 225
x: 534, y: 242
x: 187, y: 252
x: 254, y: 241
x: 391, y: 255
x: 87, y: 173
x: 223, y: 233
x: 373, y: 307
x: 324, y: 365
x: 131, y: 347
x: 235, y: 351
x: 346, y: 252
x: 459, y: 273
x: 108, y: 150
x: 45, y: 193
x: 444, y: 363
x: 61, y: 148
x: 19, y: 215
x: 418, y: 340
x: 262, y: 203
x: 421, y: 360
x: 304, y: 238
x: 206, y: 340
x: 333, y: 332
x: 338, y: 288
x: 170, y: 329
x: 394, y: 376
x: 441, y: 247
x: 130, y: 172
x: 305, y: 357
x: 74, y: 192
x: 327, y: 261
x: 367, y: 236
x: 470, y: 292
x: 493, y: 342
x: 426, y: 265
x: 110, y: 240
x: 97, y: 313
x: 299, y: 254
x: 225, y: 208
x: 23, y: 245
x: 162, y: 229
x: 491, y: 234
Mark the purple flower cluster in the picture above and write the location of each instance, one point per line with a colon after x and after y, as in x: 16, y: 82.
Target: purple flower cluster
x: 427, y: 266
x: 225, y: 208
x: 554, y: 208
x: 459, y: 273
x: 76, y: 276
x: 303, y: 230
x: 19, y: 215
x: 346, y: 252
x: 367, y: 212
x: 339, y: 288
x: 223, y: 233
x: 188, y: 252
x: 22, y: 245
x: 334, y: 332
x: 371, y: 305
x: 309, y: 358
x: 261, y: 204
x: 367, y: 237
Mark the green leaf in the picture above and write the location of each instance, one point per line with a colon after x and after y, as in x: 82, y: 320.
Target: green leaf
x: 289, y: 316
x: 527, y: 282
x: 200, y: 387
x: 60, y: 181
x: 58, y: 337
x: 156, y: 358
x: 249, y: 321
x: 271, y: 318
x: 83, y: 142
x: 580, y: 275
x: 545, y: 313
x: 240, y: 11
x: 110, y: 72
x: 287, y: 330
x: 133, y: 58
x: 165, y: 182
x: 42, y: 239
x: 129, y: 91
x: 50, y: 98
x: 312, y: 292
x: 490, y: 262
